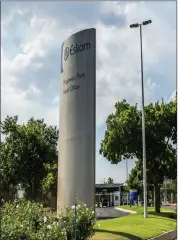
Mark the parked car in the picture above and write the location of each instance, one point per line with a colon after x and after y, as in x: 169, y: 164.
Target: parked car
x: 105, y: 203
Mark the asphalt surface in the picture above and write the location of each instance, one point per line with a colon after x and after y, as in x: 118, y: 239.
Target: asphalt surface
x: 109, y: 213
x: 174, y: 208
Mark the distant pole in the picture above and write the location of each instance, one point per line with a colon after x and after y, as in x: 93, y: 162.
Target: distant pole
x: 166, y: 195
x: 143, y: 118
x: 127, y: 179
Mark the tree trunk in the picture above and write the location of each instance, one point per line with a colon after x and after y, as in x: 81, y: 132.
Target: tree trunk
x: 157, y: 197
x: 153, y: 198
x: 30, y: 191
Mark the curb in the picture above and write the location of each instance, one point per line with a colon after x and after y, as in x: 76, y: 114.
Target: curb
x: 166, y: 236
x: 125, y: 210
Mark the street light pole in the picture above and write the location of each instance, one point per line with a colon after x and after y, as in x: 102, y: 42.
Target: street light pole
x: 143, y: 118
x: 143, y: 131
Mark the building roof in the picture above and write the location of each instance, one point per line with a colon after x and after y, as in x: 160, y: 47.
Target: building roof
x: 106, y: 185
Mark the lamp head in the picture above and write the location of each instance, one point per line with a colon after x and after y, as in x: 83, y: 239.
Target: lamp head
x: 146, y: 22
x: 135, y: 25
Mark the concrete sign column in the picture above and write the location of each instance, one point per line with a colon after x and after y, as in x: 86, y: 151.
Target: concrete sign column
x: 76, y: 163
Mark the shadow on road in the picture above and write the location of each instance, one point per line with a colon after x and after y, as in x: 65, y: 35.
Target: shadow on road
x: 126, y: 235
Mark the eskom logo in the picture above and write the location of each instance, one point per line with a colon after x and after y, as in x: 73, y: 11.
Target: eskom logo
x: 76, y: 49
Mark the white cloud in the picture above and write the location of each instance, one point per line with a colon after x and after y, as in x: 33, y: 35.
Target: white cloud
x: 15, y: 101
x: 118, y: 52
x: 116, y: 7
x: 173, y: 95
x: 37, y: 22
x: 30, y: 80
x: 34, y: 89
x: 152, y: 85
x: 119, y: 56
x: 36, y: 48
x: 8, y: 18
x: 56, y: 100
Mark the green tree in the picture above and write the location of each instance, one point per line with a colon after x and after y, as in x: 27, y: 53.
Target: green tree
x: 171, y: 185
x: 135, y: 179
x: 49, y: 183
x: 8, y: 176
x: 110, y: 180
x: 25, y: 151
x: 123, y: 139
x: 174, y: 185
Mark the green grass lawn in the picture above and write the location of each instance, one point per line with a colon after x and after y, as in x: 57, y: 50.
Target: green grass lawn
x: 134, y: 226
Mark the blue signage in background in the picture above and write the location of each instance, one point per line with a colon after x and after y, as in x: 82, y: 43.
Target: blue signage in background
x: 133, y: 195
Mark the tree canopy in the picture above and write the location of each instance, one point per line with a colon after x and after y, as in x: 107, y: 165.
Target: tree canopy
x: 110, y: 180
x: 123, y: 139
x: 49, y: 183
x: 25, y: 151
x: 135, y: 178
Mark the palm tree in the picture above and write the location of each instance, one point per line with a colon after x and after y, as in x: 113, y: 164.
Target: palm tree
x: 110, y: 180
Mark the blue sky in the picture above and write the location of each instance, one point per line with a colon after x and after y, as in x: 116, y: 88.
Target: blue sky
x: 31, y: 38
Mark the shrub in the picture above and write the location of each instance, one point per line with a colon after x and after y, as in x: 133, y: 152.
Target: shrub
x: 24, y: 220
x: 78, y: 221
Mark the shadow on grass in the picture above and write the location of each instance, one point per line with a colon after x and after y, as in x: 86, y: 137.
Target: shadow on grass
x: 164, y: 214
x: 105, y: 218
x: 126, y: 235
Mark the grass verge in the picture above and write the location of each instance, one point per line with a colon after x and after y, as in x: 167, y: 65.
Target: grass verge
x: 134, y: 226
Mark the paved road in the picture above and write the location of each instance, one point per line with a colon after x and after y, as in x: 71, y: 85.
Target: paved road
x: 109, y: 212
x: 170, y: 207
